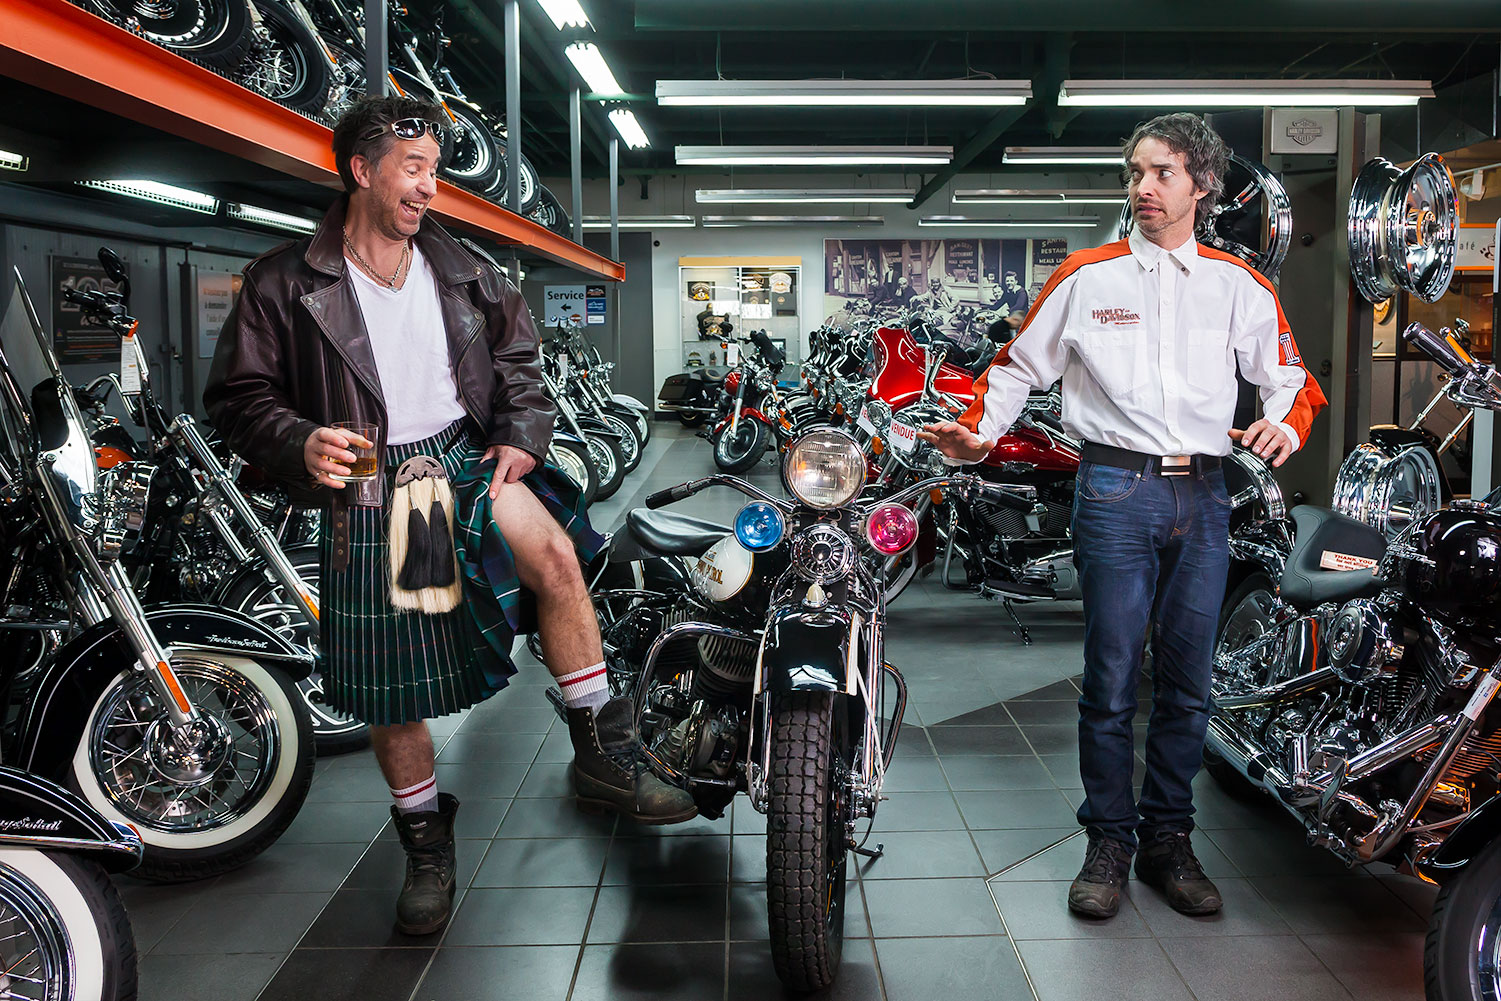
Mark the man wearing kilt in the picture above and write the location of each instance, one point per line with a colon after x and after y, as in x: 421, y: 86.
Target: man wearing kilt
x: 382, y: 318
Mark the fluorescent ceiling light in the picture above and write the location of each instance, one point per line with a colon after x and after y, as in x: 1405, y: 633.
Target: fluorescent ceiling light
x: 269, y: 217
x: 1101, y: 155
x: 12, y: 161
x: 624, y: 120
x: 565, y: 13
x: 852, y: 196
x: 1242, y: 93
x: 1039, y: 196
x: 591, y: 65
x: 967, y: 222
x: 641, y: 222
x: 842, y: 93
x: 161, y: 194
x: 792, y: 220
x: 812, y: 156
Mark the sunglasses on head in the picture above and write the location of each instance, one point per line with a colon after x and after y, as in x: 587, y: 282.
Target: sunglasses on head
x: 410, y: 128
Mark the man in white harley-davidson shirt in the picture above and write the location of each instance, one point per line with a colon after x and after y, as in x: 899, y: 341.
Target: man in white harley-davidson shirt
x: 1147, y: 333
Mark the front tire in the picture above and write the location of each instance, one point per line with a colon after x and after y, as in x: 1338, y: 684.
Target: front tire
x: 286, y: 63
x: 573, y: 459
x: 203, y: 814
x: 608, y: 463
x: 806, y: 839
x: 1462, y: 956
x: 64, y: 927
x: 738, y: 451
x: 1244, y: 617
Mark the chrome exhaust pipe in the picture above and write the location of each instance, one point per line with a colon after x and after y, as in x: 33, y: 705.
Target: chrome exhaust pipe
x: 1240, y: 750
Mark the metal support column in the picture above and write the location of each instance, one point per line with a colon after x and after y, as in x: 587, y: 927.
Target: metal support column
x: 575, y: 159
x: 377, y: 51
x: 513, y: 105
x: 614, y: 199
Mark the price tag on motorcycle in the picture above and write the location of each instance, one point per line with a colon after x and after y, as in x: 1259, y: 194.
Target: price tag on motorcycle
x: 132, y: 360
x: 863, y: 422
x: 903, y: 436
x: 563, y: 366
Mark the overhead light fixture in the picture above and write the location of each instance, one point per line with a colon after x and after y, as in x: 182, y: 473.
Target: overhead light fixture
x: 844, y: 93
x: 641, y: 222
x: 565, y: 13
x: 591, y: 65
x: 161, y: 194
x: 624, y: 120
x: 257, y: 216
x: 1242, y: 93
x: 1038, y: 196
x: 792, y: 220
x: 12, y: 161
x: 968, y: 222
x: 812, y: 156
x: 1077, y: 155
x: 853, y: 196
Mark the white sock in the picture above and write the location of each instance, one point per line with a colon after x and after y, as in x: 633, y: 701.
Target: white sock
x: 587, y: 688
x: 419, y: 798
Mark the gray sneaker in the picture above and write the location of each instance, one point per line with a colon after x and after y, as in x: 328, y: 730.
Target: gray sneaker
x: 1096, y: 891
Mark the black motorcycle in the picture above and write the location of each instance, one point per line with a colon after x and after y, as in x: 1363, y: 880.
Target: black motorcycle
x: 1353, y: 682
x: 182, y: 721
x: 756, y: 659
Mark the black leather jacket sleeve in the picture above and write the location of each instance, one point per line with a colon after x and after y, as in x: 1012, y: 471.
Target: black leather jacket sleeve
x: 247, y: 395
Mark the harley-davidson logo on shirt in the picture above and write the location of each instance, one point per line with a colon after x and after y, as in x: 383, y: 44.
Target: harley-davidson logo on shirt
x: 1115, y: 317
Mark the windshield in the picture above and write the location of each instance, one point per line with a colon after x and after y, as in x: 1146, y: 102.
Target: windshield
x: 41, y: 417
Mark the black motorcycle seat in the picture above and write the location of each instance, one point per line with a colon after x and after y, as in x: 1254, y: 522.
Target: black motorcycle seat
x: 651, y: 533
x: 1325, y: 541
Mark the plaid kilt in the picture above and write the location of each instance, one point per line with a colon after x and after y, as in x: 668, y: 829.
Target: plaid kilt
x: 387, y: 666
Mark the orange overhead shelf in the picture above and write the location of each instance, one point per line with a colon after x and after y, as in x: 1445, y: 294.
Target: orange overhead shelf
x: 62, y: 48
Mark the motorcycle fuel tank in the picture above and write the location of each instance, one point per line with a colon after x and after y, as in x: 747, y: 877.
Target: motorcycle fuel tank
x: 1033, y: 448
x: 1463, y: 581
x: 719, y: 574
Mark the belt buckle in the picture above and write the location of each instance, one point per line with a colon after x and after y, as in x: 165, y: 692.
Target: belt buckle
x: 1175, y: 465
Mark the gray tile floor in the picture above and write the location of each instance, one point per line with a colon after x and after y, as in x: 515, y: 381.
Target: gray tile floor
x: 555, y: 904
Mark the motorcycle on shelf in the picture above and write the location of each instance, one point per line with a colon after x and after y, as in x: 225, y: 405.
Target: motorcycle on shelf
x: 202, y: 538
x: 756, y: 658
x: 182, y: 721
x: 1353, y: 681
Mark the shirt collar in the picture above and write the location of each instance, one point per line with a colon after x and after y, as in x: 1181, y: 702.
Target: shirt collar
x: 1149, y: 254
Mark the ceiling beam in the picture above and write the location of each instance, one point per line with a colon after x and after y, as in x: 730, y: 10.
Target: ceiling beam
x: 1044, y: 99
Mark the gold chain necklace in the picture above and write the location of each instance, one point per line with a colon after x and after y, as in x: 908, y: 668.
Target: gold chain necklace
x: 406, y: 252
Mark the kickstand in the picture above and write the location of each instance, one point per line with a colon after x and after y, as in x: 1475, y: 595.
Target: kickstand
x: 871, y: 853
x: 1020, y: 629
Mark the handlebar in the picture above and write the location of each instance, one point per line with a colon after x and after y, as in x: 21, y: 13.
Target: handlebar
x: 1020, y: 497
x: 1439, y: 349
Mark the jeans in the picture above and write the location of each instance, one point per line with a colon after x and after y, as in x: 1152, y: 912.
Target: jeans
x: 1152, y: 552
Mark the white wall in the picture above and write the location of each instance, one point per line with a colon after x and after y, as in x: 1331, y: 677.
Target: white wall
x: 674, y: 195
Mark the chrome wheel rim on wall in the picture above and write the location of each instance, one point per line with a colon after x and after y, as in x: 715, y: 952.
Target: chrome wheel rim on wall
x: 1403, y: 229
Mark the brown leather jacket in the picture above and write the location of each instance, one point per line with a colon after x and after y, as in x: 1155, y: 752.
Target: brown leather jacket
x: 294, y: 356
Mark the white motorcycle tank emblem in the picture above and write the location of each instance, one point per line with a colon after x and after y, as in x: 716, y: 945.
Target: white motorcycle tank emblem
x: 719, y: 574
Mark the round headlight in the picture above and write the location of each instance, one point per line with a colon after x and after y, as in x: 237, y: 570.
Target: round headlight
x: 825, y: 469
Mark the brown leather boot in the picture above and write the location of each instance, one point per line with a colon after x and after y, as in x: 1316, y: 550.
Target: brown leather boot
x: 1096, y: 891
x: 608, y: 773
x: 426, y: 898
x: 1167, y: 863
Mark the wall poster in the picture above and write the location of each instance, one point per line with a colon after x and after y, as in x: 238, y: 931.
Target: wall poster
x: 75, y: 338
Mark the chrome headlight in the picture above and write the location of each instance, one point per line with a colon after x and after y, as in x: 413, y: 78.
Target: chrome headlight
x: 825, y: 469
x: 878, y: 412
x: 126, y: 489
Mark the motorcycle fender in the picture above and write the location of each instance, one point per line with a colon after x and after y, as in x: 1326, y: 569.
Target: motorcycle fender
x: 1464, y: 844
x: 630, y: 401
x: 805, y: 651
x: 58, y: 710
x: 753, y: 412
x: 36, y: 813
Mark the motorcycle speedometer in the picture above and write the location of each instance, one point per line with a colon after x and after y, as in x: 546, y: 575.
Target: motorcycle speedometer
x: 824, y: 469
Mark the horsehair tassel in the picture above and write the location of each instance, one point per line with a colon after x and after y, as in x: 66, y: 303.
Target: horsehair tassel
x: 423, y: 568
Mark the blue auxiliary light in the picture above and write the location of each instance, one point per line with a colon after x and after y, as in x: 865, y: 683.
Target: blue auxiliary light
x: 759, y: 526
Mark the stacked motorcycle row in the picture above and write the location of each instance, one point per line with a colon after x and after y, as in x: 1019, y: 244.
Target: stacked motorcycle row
x: 309, y: 55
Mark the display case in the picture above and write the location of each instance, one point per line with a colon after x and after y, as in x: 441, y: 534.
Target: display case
x: 721, y: 303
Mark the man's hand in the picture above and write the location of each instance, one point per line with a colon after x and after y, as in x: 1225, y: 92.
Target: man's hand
x: 1266, y: 440
x: 511, y: 464
x: 325, y: 452
x: 956, y: 441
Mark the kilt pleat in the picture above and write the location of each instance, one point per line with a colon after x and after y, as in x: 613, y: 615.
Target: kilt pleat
x: 388, y: 666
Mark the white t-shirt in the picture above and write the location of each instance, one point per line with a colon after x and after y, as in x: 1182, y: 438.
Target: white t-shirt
x: 411, y: 351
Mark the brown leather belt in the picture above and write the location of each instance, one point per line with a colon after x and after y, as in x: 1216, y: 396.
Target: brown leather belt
x: 1148, y: 465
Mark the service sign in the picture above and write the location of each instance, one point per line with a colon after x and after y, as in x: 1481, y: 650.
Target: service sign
x: 561, y: 303
x: 903, y: 436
